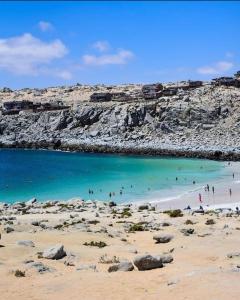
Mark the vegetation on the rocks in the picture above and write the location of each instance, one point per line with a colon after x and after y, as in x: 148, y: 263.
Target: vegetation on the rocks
x: 99, y: 244
x: 104, y: 259
x: 174, y: 213
x: 210, y: 222
x: 48, y: 205
x: 19, y: 273
x: 136, y: 227
x: 126, y: 213
x: 189, y: 222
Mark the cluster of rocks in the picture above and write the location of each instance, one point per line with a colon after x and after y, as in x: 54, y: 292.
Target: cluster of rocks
x: 112, y: 222
x: 198, y: 122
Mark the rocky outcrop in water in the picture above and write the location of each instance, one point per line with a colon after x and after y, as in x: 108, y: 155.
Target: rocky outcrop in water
x: 201, y: 122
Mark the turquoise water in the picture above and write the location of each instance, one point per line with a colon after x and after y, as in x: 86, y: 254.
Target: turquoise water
x: 59, y: 175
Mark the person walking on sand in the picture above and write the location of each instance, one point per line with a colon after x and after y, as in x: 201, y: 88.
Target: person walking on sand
x: 237, y: 210
x: 200, y: 198
x: 230, y: 192
x: 207, y: 187
x: 213, y: 189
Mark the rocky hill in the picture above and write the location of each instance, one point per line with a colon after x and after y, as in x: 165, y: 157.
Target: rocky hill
x: 203, y: 121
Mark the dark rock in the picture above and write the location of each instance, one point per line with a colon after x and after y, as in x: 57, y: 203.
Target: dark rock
x: 162, y: 238
x: 148, y: 262
x: 124, y: 266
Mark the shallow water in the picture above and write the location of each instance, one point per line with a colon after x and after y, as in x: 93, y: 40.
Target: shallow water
x: 60, y: 175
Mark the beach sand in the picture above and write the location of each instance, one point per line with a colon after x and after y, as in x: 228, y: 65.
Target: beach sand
x: 200, y: 267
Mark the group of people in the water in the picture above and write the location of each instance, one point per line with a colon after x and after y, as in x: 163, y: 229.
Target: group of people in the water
x: 111, y: 194
x: 200, y: 198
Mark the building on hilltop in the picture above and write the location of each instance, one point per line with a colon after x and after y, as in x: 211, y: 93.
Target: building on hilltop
x: 152, y: 91
x: 226, y: 81
x: 194, y: 83
x: 14, y: 107
x: 100, y: 97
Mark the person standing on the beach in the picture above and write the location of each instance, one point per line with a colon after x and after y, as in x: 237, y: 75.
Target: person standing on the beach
x: 230, y: 192
x: 233, y: 175
x: 237, y: 210
x: 207, y: 187
x: 200, y: 198
x: 213, y: 189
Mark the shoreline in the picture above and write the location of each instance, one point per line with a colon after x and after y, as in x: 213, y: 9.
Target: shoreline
x: 184, y: 195
x: 129, y: 149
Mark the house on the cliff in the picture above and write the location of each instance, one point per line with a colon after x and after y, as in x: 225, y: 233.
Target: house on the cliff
x: 152, y: 91
x: 169, y: 91
x: 226, y: 81
x: 194, y: 83
x: 120, y: 96
x: 14, y: 107
x: 100, y: 97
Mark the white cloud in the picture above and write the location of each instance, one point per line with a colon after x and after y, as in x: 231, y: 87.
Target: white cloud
x: 120, y: 58
x: 27, y: 55
x: 45, y: 26
x: 101, y: 46
x: 64, y: 74
x: 218, y: 68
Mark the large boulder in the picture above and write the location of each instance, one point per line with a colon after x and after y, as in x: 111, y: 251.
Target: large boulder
x: 55, y: 252
x: 148, y: 262
x: 124, y: 266
x: 162, y: 238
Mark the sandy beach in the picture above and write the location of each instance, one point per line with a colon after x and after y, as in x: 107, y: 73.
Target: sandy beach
x: 205, y: 256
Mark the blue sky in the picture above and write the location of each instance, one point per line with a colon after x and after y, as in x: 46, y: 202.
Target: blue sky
x: 59, y: 43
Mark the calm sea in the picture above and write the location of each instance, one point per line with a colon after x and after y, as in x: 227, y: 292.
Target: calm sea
x: 49, y: 175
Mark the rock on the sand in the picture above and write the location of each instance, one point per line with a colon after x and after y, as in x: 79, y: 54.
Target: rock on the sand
x: 148, y: 262
x: 31, y: 201
x: 162, y: 238
x: 87, y: 268
x: 39, y: 267
x: 233, y: 254
x: 26, y: 243
x: 8, y: 229
x: 166, y: 259
x: 124, y: 266
x: 55, y: 252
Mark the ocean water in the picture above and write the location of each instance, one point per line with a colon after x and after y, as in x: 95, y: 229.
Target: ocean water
x: 51, y: 175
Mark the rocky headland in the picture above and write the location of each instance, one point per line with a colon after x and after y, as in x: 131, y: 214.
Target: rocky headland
x: 196, y: 122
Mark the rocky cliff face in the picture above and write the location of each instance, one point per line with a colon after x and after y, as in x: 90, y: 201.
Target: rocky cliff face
x: 200, y: 122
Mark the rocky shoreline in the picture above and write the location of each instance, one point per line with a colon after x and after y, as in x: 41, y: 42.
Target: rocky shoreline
x: 227, y: 155
x: 202, y: 122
